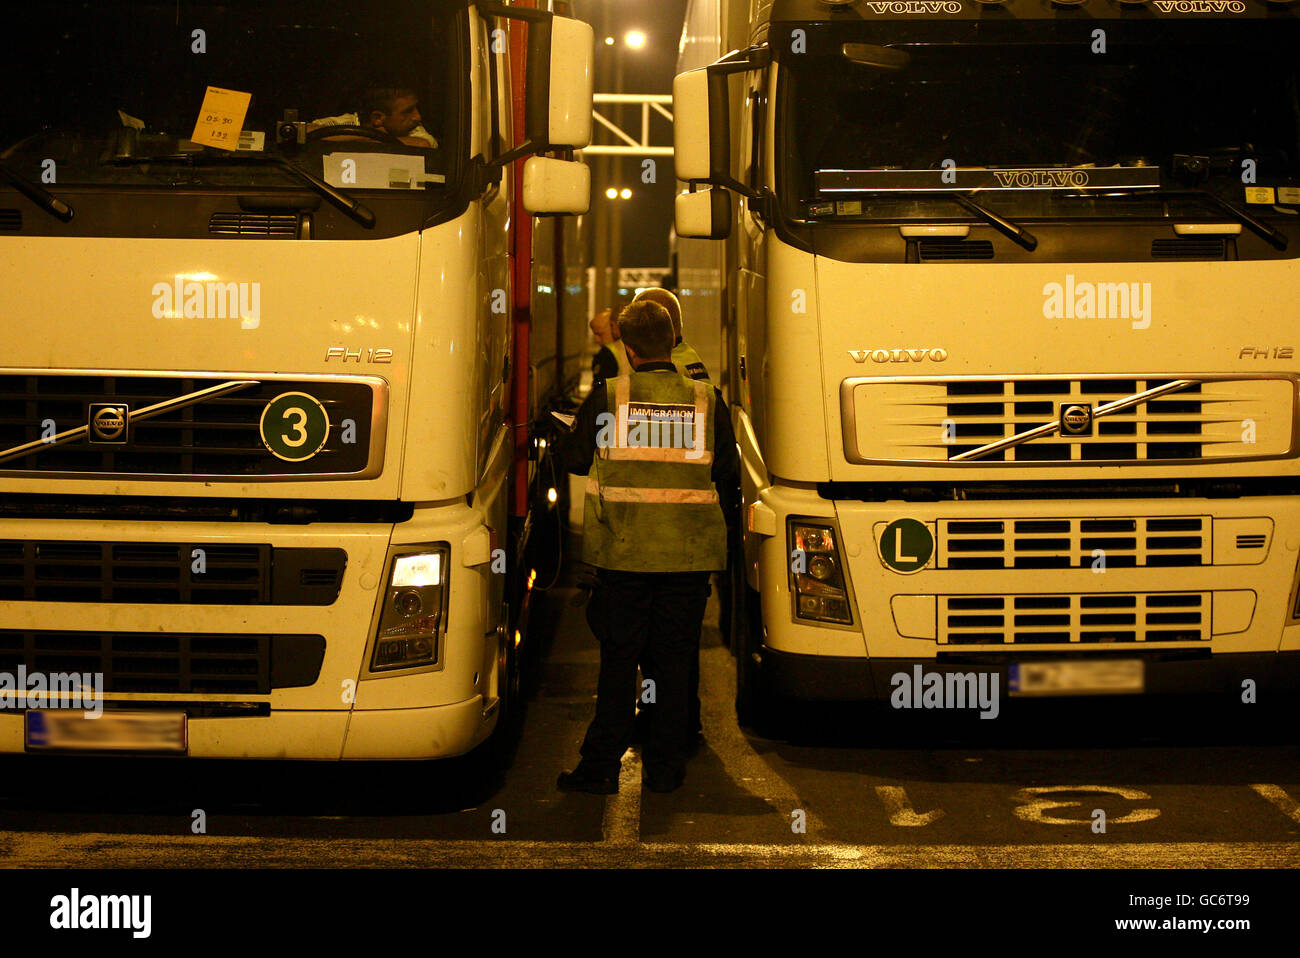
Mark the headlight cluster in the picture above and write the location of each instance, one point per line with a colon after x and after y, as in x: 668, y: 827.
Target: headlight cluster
x: 820, y: 592
x: 412, y: 618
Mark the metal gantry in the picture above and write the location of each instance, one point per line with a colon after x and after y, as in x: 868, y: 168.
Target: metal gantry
x: 633, y: 146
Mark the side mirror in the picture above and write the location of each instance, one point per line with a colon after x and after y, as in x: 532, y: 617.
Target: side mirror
x: 556, y: 186
x: 559, y: 82
x: 691, y: 147
x: 572, y: 84
x: 705, y: 214
x: 702, y: 144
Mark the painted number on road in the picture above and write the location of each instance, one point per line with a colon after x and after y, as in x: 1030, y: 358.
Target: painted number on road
x: 1033, y: 806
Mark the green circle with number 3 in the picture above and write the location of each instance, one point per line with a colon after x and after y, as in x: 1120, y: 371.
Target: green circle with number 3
x: 294, y: 426
x: 906, y: 545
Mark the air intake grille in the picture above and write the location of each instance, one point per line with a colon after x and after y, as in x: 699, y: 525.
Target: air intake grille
x: 262, y: 225
x: 1074, y: 543
x: 1079, y: 619
x: 937, y: 420
x: 946, y: 249
x: 11, y: 221
x: 220, y: 436
x: 1198, y: 247
x: 153, y: 572
x: 170, y: 662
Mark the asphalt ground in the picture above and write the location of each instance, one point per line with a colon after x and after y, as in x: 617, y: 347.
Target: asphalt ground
x: 1182, y: 783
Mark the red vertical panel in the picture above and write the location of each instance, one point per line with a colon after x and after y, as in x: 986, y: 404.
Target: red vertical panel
x: 522, y: 266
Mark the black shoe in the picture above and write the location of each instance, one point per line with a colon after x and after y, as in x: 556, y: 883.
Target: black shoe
x: 581, y: 780
x: 663, y: 781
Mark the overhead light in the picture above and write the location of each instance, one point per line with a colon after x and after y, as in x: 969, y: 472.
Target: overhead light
x: 635, y: 39
x: 611, y: 193
x: 626, y: 194
x: 609, y: 41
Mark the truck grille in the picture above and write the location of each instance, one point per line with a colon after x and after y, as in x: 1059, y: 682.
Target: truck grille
x: 936, y: 420
x: 217, y: 437
x: 169, y: 662
x: 1074, y: 619
x: 152, y: 572
x: 1073, y: 543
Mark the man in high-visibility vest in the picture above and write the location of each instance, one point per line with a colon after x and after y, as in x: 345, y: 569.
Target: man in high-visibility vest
x: 689, y: 363
x: 655, y: 443
x: 685, y: 358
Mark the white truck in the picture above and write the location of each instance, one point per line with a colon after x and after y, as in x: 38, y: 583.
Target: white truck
x: 1010, y: 311
x: 264, y: 457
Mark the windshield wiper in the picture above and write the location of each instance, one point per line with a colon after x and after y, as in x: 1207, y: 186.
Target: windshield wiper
x: 41, y: 197
x: 996, y: 220
x: 1257, y: 226
x: 352, y: 207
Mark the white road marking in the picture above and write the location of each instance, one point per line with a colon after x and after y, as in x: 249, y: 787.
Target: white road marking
x: 621, y: 822
x: 102, y: 850
x: 1287, y: 805
x: 1032, y: 804
x: 900, y: 810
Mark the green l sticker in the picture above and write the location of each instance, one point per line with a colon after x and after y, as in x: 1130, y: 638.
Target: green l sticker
x: 906, y: 545
x: 294, y: 426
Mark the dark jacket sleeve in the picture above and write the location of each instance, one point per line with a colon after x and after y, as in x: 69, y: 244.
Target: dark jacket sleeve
x: 578, y: 448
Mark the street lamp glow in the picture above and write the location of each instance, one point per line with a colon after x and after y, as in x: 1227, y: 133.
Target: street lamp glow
x: 626, y: 194
x: 635, y: 39
x: 611, y: 193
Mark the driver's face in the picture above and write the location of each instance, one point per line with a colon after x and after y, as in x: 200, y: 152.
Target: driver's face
x: 404, y: 118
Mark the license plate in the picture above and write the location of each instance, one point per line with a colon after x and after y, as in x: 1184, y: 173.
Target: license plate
x: 1101, y: 677
x: 112, y: 731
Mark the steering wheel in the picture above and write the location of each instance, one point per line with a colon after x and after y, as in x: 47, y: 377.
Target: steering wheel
x: 369, y: 132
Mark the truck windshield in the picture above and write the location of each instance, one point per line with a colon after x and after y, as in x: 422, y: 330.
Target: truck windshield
x: 109, y: 93
x: 1192, y: 105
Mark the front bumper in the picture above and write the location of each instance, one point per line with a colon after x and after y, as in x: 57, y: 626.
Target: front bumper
x: 828, y: 678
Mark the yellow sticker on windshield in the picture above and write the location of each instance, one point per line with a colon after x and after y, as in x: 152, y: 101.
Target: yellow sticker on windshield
x: 221, y: 119
x: 1259, y: 194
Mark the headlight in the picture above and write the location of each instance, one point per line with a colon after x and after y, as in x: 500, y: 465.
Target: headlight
x: 817, y: 581
x: 414, y: 607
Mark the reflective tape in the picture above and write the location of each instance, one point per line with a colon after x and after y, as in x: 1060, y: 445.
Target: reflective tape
x: 694, y: 454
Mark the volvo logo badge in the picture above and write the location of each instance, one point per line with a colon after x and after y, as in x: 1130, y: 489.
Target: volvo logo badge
x: 108, y: 422
x: 1076, y: 420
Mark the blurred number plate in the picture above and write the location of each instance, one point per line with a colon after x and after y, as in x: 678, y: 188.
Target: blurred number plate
x: 1103, y: 677
x: 112, y: 731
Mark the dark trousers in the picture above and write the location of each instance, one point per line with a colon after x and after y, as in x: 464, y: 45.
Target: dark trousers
x: 632, y: 613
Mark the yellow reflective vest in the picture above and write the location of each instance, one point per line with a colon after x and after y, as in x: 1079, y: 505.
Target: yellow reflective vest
x: 650, y: 503
x: 688, y: 362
